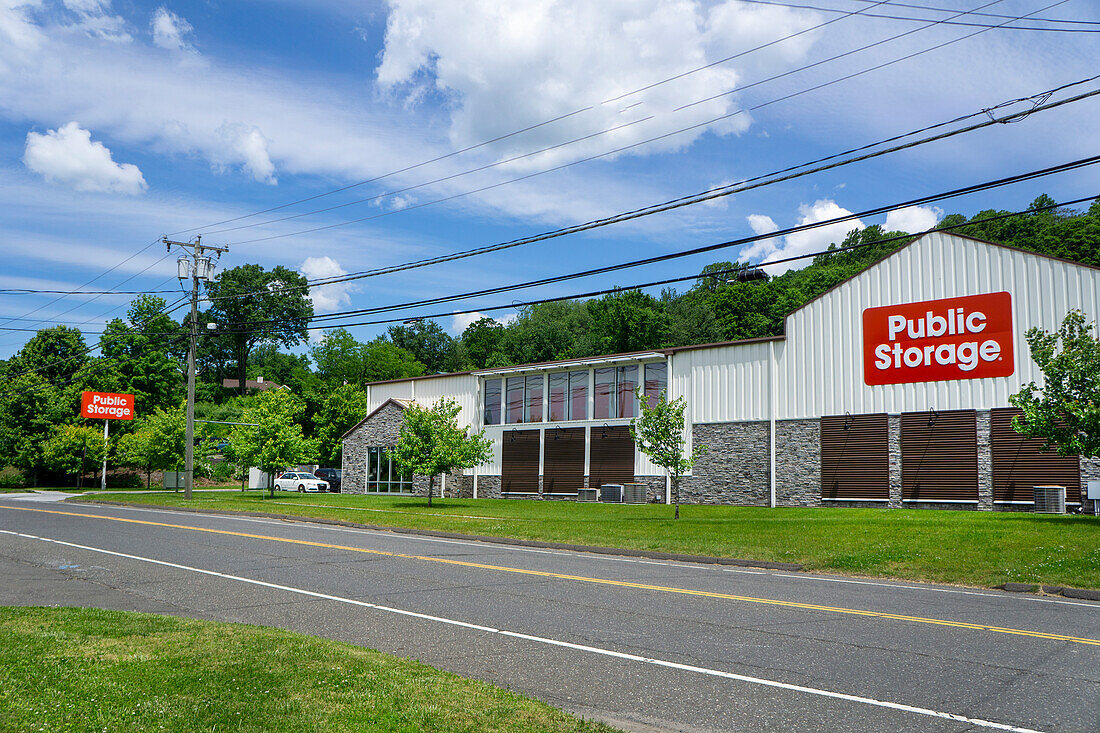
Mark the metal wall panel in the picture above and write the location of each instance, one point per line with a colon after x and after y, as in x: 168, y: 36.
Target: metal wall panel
x: 855, y: 457
x: 379, y: 393
x: 563, y: 460
x: 821, y: 369
x: 461, y: 388
x: 724, y: 383
x: 520, y: 461
x: 1019, y: 463
x: 612, y: 456
x: 939, y: 456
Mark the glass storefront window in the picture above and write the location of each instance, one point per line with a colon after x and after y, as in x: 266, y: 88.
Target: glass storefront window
x: 605, y: 394
x: 382, y: 475
x: 628, y: 383
x: 492, y: 401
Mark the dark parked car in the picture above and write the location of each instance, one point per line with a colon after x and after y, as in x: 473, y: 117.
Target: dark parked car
x: 332, y: 476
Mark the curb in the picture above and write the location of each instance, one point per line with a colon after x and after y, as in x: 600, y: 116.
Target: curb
x: 1052, y: 590
x: 595, y: 549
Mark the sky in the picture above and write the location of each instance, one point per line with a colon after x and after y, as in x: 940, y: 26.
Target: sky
x: 452, y: 125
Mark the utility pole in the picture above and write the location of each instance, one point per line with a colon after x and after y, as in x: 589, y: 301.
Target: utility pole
x: 198, y: 267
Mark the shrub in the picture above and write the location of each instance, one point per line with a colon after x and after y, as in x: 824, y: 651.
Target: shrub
x: 223, y: 471
x: 12, y: 478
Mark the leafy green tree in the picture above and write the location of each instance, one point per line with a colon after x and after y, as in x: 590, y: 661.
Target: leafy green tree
x: 430, y: 443
x: 691, y: 320
x: 341, y: 359
x: 431, y: 345
x: 157, y: 442
x: 30, y: 410
x: 629, y: 321
x: 276, y: 440
x: 72, y: 448
x: 659, y: 433
x: 547, y: 331
x: 483, y: 338
x: 139, y: 353
x: 270, y: 312
x: 273, y: 365
x: 341, y: 410
x: 1065, y: 412
x: 55, y: 354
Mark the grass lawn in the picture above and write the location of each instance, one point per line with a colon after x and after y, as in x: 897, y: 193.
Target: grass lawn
x: 73, y: 669
x: 971, y: 548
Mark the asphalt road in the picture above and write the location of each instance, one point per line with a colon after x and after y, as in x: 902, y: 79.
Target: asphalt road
x: 643, y: 644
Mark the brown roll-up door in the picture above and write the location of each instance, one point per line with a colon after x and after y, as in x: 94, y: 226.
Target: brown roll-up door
x: 855, y: 457
x: 520, y: 461
x: 563, y: 461
x: 612, y: 459
x: 939, y: 456
x: 1019, y: 463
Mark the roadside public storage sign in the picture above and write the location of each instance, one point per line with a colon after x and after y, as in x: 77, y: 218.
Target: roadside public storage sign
x: 107, y: 406
x: 936, y: 340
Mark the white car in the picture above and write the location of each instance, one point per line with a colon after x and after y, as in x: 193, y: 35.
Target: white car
x: 295, y: 481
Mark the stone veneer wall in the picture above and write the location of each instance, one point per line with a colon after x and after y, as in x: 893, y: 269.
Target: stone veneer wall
x: 735, y: 469
x: 1090, y: 471
x: 893, y: 440
x: 798, y: 463
x: 380, y: 430
x: 984, y: 420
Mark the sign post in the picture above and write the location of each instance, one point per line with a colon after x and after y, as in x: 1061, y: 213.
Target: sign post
x: 108, y: 406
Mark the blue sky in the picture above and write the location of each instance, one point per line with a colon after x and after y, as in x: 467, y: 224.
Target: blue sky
x: 122, y: 121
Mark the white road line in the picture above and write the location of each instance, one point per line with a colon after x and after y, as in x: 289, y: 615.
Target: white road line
x: 555, y: 642
x: 596, y: 555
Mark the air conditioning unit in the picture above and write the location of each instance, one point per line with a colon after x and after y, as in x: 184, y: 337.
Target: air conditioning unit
x: 1050, y: 499
x: 588, y: 494
x: 634, y: 493
x: 612, y: 493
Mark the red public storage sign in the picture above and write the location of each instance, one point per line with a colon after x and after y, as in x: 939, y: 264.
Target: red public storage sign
x: 937, y: 340
x: 107, y: 406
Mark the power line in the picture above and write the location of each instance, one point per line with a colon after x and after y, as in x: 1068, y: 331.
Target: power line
x: 35, y: 291
x: 515, y: 158
x: 945, y: 22
x: 558, y: 118
x: 748, y: 184
x: 974, y: 188
x: 897, y: 4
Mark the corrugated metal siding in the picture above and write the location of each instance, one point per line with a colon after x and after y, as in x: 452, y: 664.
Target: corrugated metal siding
x: 1019, y: 464
x: 724, y: 383
x: 461, y: 388
x: 855, y: 457
x: 379, y: 393
x: 821, y: 370
x: 939, y: 456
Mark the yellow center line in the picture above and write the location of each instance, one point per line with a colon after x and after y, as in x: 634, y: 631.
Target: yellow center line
x: 598, y: 581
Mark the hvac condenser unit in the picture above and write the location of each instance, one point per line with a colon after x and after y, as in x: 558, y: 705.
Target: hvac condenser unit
x: 1050, y: 499
x: 612, y: 493
x: 634, y: 493
x: 587, y: 494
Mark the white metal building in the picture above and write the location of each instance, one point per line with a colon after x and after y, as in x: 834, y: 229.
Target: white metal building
x: 892, y: 388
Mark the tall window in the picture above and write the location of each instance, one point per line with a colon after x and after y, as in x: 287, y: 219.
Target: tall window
x: 578, y: 395
x: 533, y: 404
x: 614, y: 392
x: 382, y: 475
x: 656, y: 379
x: 569, y: 395
x: 515, y: 399
x: 492, y: 401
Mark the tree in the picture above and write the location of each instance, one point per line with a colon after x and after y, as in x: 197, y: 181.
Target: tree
x: 269, y: 313
x: 431, y: 442
x: 629, y: 321
x: 482, y: 339
x: 659, y: 433
x: 72, y: 448
x: 139, y: 355
x: 275, y: 441
x: 340, y: 411
x: 1065, y: 413
x: 30, y: 410
x: 341, y: 359
x: 430, y: 344
x: 157, y: 443
x: 54, y: 353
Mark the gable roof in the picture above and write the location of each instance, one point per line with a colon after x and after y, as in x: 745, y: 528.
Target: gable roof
x: 403, y: 404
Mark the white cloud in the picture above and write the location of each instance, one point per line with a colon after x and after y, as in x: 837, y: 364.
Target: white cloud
x: 68, y: 156
x: 799, y: 243
x: 546, y: 58
x: 913, y: 219
x: 169, y: 31
x: 461, y: 321
x: 326, y: 298
x: 247, y: 145
x: 94, y: 18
